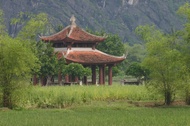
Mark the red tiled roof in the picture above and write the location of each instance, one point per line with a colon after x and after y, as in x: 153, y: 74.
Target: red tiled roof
x: 79, y: 34
x: 73, y: 34
x: 58, y: 37
x: 61, y: 54
x: 92, y: 57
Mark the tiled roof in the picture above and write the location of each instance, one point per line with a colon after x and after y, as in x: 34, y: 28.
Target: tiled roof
x: 73, y: 34
x: 91, y: 57
x: 61, y: 54
x: 58, y: 37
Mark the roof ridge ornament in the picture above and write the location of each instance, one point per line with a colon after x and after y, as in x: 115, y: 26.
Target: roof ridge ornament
x: 73, y: 24
x: 73, y: 19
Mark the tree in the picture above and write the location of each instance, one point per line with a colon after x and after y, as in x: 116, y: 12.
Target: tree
x: 2, y: 26
x: 16, y: 62
x: 44, y: 51
x: 136, y: 53
x: 48, y: 62
x: 18, y: 57
x: 163, y: 59
x: 76, y: 70
x: 36, y: 25
x: 112, y: 45
x: 136, y: 70
x: 185, y: 35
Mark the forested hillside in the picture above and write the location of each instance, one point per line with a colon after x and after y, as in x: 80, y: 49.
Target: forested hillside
x: 113, y: 16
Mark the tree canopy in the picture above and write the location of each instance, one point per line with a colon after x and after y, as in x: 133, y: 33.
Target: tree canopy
x: 112, y: 45
x: 18, y: 56
x: 76, y: 70
x: 16, y: 62
x: 135, y: 69
x: 163, y: 59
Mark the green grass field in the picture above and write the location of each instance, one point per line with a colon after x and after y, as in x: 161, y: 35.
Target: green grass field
x: 91, y: 106
x: 64, y: 96
x: 117, y: 113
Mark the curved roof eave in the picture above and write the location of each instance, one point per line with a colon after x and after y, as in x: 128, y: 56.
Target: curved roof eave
x: 59, y: 36
x: 71, y: 33
x: 92, y: 57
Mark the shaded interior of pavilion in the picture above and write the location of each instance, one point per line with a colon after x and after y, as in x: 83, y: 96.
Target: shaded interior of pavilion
x: 100, y: 75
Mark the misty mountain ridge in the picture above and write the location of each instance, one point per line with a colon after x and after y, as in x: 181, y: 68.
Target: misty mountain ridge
x: 112, y: 16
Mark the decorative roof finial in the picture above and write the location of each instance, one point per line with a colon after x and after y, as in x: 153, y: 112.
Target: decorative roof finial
x: 73, y: 19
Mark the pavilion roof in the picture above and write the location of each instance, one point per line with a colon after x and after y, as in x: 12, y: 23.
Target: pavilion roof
x: 73, y: 33
x: 90, y: 56
x: 58, y: 37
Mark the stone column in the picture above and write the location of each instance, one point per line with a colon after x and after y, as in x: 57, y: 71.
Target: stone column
x: 93, y: 74
x: 100, y: 74
x: 110, y: 75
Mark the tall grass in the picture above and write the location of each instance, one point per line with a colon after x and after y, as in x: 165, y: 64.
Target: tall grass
x: 64, y: 96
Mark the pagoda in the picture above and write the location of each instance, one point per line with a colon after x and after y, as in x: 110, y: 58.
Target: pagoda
x: 78, y: 46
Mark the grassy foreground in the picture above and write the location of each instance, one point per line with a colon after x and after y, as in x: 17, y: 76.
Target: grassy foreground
x: 118, y: 113
x: 90, y: 106
x: 65, y: 96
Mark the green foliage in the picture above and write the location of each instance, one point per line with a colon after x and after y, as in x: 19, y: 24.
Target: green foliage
x: 19, y: 57
x: 16, y: 62
x: 2, y: 26
x: 112, y: 45
x: 48, y: 62
x: 58, y: 28
x: 61, y: 64
x: 136, y: 70
x: 185, y: 35
x: 136, y: 53
x: 61, y: 97
x: 22, y: 18
x: 35, y: 26
x: 185, y: 10
x: 163, y: 60
x: 30, y: 32
x: 48, y: 59
x: 76, y: 70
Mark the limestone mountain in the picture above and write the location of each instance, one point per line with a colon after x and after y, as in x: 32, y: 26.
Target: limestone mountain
x: 113, y: 16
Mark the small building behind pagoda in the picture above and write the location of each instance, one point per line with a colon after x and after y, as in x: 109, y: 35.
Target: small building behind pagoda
x: 78, y: 46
